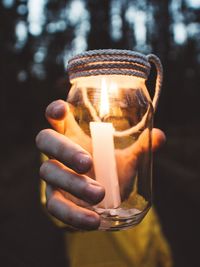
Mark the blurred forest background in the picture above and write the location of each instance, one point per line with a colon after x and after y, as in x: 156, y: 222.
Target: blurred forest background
x: 37, y: 37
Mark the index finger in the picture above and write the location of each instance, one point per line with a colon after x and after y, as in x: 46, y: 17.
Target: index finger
x: 64, y: 150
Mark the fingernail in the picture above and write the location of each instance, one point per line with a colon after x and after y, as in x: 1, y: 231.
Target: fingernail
x: 57, y: 111
x: 92, y: 222
x: 83, y: 162
x: 94, y: 193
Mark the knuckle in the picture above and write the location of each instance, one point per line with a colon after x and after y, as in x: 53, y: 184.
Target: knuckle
x: 44, y: 169
x: 61, y: 149
x: 83, y: 188
x: 50, y: 205
x: 41, y: 136
x: 47, y: 167
x: 76, y: 185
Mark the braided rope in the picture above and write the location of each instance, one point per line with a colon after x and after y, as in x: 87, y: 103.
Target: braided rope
x: 102, y: 52
x: 108, y: 62
x: 116, y: 62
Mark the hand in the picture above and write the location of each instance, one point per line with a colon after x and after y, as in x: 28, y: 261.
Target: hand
x: 69, y: 190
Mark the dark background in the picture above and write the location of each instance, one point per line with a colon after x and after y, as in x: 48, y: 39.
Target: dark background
x: 36, y: 39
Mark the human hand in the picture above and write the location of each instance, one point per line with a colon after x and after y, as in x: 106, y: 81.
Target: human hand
x: 67, y: 171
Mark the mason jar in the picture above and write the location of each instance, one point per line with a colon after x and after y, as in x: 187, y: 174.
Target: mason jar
x: 110, y: 114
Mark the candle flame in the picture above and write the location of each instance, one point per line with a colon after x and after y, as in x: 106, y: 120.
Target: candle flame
x: 104, y: 102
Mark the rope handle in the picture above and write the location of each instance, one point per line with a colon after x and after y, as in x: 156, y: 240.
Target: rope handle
x: 159, y: 79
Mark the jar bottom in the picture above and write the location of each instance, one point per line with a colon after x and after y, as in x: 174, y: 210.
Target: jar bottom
x: 120, y: 218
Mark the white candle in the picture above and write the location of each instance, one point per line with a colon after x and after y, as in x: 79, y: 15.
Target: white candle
x: 105, y: 163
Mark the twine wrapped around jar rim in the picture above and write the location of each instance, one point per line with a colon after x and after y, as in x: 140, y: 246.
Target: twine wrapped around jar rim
x: 108, y: 62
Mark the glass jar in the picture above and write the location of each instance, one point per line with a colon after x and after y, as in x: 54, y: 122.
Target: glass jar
x: 111, y: 116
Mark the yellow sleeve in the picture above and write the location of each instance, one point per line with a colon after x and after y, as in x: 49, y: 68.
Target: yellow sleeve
x: 141, y: 246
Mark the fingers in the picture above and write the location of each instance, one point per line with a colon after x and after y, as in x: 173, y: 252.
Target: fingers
x: 158, y: 139
x: 143, y: 142
x: 69, y: 213
x: 56, y: 113
x: 63, y: 149
x: 81, y: 186
x: 61, y: 119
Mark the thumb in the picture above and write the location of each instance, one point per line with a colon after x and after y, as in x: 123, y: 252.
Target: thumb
x: 56, y: 113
